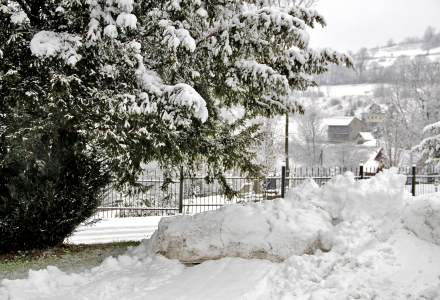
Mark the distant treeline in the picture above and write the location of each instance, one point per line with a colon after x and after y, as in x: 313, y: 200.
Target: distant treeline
x: 370, y: 67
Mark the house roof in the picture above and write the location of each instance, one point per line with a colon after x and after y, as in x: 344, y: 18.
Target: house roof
x: 373, y: 162
x: 371, y: 143
x: 367, y: 136
x: 339, y: 121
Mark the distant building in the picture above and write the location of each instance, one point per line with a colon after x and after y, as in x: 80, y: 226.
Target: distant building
x: 373, y: 116
x: 344, y: 129
x: 364, y: 136
x: 375, y: 163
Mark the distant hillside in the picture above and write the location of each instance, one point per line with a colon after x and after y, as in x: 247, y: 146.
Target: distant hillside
x: 386, y: 56
x: 375, y: 65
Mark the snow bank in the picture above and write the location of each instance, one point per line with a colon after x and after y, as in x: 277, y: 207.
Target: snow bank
x: 303, y: 223
x: 422, y: 217
x: 273, y: 230
x: 124, y: 277
x: 402, y: 268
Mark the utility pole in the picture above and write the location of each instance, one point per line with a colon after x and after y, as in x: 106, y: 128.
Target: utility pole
x: 286, y: 144
x: 321, y: 158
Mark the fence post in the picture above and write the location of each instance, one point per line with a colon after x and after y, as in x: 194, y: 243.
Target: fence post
x: 181, y: 191
x: 413, y: 181
x: 361, y: 171
x: 283, y: 181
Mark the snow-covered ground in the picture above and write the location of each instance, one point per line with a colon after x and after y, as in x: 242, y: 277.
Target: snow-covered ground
x: 114, y: 230
x: 386, y: 56
x: 349, y: 239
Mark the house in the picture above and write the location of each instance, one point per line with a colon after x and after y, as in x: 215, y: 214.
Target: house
x: 375, y: 162
x: 374, y: 115
x: 364, y: 137
x: 343, y: 129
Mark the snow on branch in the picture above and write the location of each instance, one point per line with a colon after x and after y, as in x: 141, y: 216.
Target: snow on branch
x: 173, y: 97
x: 185, y: 95
x: 175, y: 37
x: 252, y: 71
x: 56, y: 44
x: 432, y: 128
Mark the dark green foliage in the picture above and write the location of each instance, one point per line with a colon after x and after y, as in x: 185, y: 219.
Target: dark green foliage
x: 44, y: 198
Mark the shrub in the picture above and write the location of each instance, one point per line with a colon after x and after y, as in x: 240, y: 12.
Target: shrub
x: 45, y: 196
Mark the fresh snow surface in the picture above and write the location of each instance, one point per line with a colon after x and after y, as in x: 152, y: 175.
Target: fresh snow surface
x: 382, y: 245
x: 114, y: 230
x: 51, y: 44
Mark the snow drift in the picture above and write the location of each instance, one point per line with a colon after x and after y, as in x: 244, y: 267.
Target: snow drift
x: 422, y: 217
x: 305, y: 222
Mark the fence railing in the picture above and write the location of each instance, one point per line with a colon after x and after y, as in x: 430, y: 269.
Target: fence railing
x: 193, y: 195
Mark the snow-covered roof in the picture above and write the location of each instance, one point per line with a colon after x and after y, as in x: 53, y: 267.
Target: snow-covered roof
x: 338, y: 121
x: 372, y: 162
x: 370, y: 143
x: 367, y: 136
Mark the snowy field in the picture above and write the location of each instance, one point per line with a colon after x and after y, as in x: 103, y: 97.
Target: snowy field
x: 346, y: 240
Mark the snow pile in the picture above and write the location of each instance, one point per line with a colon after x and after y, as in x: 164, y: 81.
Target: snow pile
x: 310, y: 219
x: 422, y: 217
x: 274, y: 231
x: 52, y: 44
x: 404, y: 267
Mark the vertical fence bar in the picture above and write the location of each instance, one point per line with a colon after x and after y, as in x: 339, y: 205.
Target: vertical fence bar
x: 361, y: 171
x: 181, y: 191
x: 283, y: 181
x: 413, y: 181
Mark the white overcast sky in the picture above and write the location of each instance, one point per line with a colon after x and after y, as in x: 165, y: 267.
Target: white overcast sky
x: 352, y: 24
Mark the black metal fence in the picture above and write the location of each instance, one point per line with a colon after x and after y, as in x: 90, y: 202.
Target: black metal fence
x: 193, y: 195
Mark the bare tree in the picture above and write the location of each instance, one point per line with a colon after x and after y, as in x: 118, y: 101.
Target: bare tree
x: 412, y: 98
x: 310, y: 136
x: 270, y: 150
x: 361, y: 59
x: 430, y: 39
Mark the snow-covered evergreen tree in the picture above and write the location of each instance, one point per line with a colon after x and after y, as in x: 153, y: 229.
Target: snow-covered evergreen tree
x: 430, y: 146
x: 144, y: 80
